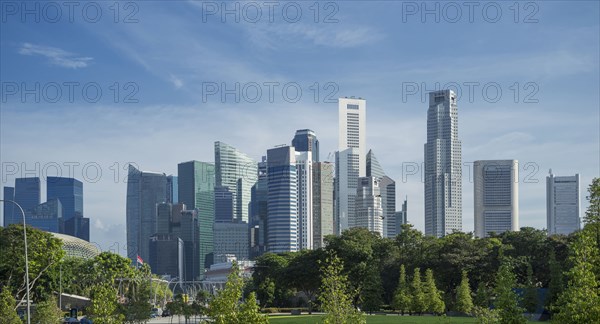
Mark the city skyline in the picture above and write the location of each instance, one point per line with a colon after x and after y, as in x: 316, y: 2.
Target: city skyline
x: 362, y: 55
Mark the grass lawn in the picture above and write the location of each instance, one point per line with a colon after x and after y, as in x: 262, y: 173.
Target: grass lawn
x: 374, y: 319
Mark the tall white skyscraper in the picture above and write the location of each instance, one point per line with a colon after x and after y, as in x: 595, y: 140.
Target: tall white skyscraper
x: 443, y: 169
x: 304, y: 169
x: 496, y: 188
x: 369, y: 212
x: 562, y: 204
x: 350, y: 159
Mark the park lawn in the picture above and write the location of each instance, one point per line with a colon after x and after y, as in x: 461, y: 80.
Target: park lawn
x: 373, y: 319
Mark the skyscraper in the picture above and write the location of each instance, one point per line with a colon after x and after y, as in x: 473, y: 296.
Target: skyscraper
x: 172, y: 189
x: 196, y: 191
x: 496, y: 188
x: 282, y: 202
x: 443, y: 169
x: 322, y: 202
x: 374, y: 169
x: 232, y: 238
x: 236, y: 171
x: 369, y: 213
x: 223, y: 205
x: 387, y: 188
x: 70, y: 193
x: 562, y: 204
x: 46, y: 216
x: 306, y: 140
x: 401, y: 217
x: 350, y: 159
x: 304, y: 170
x: 144, y: 191
x: 27, y: 194
x: 259, y: 211
x: 9, y: 208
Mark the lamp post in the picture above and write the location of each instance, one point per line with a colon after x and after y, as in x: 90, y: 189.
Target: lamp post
x: 26, y: 258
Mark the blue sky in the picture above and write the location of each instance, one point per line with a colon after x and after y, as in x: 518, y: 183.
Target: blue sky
x: 165, y: 57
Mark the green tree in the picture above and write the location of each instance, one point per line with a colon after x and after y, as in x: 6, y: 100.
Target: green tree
x: 417, y: 303
x: 507, y: 301
x: 402, y: 294
x: 47, y: 312
x: 464, y: 301
x: 592, y: 214
x: 530, y: 299
x: 104, y: 306
x: 482, y: 296
x: 7, y: 308
x: 556, y: 284
x: 250, y: 312
x: 302, y: 273
x: 335, y: 295
x: 371, y: 295
x: 580, y: 301
x: 433, y: 297
x: 266, y: 291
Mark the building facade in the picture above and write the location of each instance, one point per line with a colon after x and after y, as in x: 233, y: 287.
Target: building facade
x: 304, y: 170
x: 70, y: 193
x: 282, y: 200
x: 232, y: 238
x: 387, y: 188
x: 369, y: 213
x: 346, y: 178
x: 496, y: 189
x: 322, y: 202
x: 562, y: 204
x: 259, y: 211
x: 305, y: 140
x: 443, y: 166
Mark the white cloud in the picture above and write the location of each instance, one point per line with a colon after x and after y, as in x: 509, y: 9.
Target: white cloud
x: 56, y: 56
x: 178, y: 83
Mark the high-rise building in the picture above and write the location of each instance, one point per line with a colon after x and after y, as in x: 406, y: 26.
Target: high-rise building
x: 282, y: 201
x: 70, y: 193
x: 369, y: 213
x: 232, y: 238
x: 496, y: 188
x: 401, y: 217
x: 237, y: 171
x: 374, y: 169
x: 167, y: 256
x: 346, y: 178
x: 322, y: 202
x: 196, y: 191
x: 144, y: 191
x: 172, y: 189
x: 352, y: 128
x: 304, y: 170
x: 188, y: 231
x: 387, y: 188
x: 443, y: 166
x: 10, y: 208
x: 259, y: 211
x: 47, y: 216
x: 350, y: 159
x: 224, y: 205
x: 27, y: 194
x: 562, y: 204
x: 306, y: 140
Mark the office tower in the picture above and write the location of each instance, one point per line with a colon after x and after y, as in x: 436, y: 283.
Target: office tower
x: 322, y: 202
x: 46, y: 216
x: 9, y: 208
x: 282, y: 200
x: 387, y: 188
x: 496, y: 188
x: 304, y: 174
x: 237, y: 171
x: 401, y: 217
x: 188, y: 231
x: 144, y: 191
x: 352, y: 129
x: 346, y: 178
x: 167, y: 256
x: 172, y: 189
x: 374, y: 169
x: 164, y: 212
x: 232, y: 238
x: 27, y: 194
x: 350, y: 159
x: 306, y: 140
x: 443, y: 159
x: 196, y: 191
x: 258, y: 224
x: 562, y: 204
x: 70, y: 193
x: 369, y: 213
x: 223, y: 205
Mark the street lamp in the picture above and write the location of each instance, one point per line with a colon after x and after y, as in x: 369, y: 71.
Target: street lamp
x: 26, y: 258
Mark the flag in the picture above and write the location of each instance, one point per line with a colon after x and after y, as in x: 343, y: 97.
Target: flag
x: 139, y: 260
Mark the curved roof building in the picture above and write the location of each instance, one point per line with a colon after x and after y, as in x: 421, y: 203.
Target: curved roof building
x: 76, y: 247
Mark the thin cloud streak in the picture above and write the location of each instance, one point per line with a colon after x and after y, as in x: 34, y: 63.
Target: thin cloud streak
x: 56, y: 56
